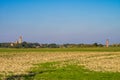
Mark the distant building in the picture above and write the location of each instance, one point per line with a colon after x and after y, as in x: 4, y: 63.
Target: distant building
x: 20, y: 40
x: 107, y: 42
x: 11, y: 44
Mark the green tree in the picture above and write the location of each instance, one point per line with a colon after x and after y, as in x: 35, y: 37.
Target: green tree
x: 53, y: 45
x: 95, y: 44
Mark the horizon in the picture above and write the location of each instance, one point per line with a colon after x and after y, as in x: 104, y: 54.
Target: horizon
x: 60, y: 21
x: 20, y: 40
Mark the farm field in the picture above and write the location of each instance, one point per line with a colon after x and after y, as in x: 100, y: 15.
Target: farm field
x: 60, y: 64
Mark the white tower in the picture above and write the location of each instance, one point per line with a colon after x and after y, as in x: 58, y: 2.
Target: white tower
x: 20, y: 40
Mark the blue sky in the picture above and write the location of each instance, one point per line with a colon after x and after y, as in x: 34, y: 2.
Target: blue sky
x: 60, y: 21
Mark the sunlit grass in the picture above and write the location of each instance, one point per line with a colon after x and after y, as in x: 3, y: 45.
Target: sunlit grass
x: 48, y: 71
x: 88, y: 49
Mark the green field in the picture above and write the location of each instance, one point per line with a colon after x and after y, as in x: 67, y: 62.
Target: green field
x: 101, y: 49
x: 60, y: 64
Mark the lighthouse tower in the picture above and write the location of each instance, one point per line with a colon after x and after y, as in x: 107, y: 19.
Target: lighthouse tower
x: 20, y: 40
x: 107, y: 42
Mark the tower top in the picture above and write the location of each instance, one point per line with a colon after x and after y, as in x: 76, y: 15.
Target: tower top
x: 20, y: 37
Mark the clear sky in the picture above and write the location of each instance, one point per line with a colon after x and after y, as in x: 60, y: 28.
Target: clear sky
x: 60, y: 21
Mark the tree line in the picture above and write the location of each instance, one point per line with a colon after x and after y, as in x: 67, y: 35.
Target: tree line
x: 52, y: 45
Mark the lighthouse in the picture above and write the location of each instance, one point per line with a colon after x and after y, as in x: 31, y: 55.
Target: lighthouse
x: 107, y: 42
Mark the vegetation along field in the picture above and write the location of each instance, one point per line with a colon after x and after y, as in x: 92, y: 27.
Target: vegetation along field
x: 60, y: 64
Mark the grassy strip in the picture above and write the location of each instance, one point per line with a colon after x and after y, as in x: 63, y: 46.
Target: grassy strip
x: 48, y: 71
x: 95, y: 49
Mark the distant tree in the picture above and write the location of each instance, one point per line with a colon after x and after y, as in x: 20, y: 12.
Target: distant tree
x: 100, y: 45
x: 44, y: 45
x: 5, y: 45
x: 25, y: 44
x: 53, y: 45
x: 95, y: 44
x: 35, y: 45
x: 66, y: 45
x: 18, y: 46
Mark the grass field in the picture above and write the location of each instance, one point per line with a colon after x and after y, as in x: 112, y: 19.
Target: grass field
x: 60, y: 64
x: 93, y: 49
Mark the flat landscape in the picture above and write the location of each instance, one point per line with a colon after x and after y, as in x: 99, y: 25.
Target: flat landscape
x: 59, y: 39
x: 60, y: 64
